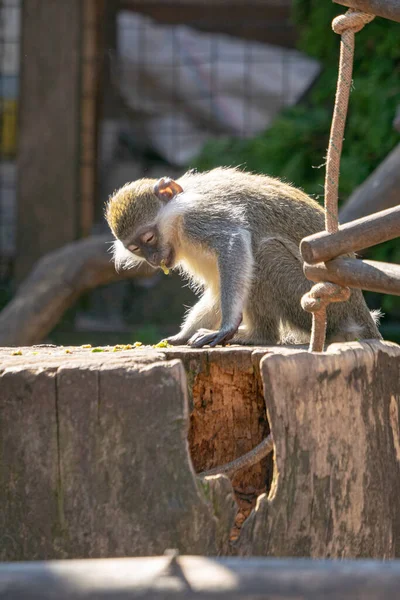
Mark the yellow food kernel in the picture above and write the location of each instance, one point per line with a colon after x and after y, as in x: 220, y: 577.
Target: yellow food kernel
x: 162, y: 344
x: 164, y: 267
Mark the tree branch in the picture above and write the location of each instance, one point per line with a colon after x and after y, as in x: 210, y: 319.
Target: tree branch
x: 55, y: 283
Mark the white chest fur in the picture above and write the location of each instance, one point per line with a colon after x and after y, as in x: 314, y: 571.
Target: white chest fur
x: 199, y: 264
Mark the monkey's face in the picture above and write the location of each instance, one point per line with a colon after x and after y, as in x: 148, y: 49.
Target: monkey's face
x: 147, y: 244
x: 133, y: 214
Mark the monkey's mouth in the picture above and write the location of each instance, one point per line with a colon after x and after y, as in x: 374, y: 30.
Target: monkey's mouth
x: 170, y: 259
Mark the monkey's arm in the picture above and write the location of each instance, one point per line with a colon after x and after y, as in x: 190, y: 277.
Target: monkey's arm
x: 203, y: 314
x: 235, y: 265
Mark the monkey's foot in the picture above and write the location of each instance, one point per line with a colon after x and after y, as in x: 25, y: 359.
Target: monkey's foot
x: 205, y: 337
x: 177, y: 340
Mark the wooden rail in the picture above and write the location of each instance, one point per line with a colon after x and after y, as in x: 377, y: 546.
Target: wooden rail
x: 189, y: 577
x: 351, y: 237
x: 389, y: 9
x: 363, y: 274
x: 324, y: 261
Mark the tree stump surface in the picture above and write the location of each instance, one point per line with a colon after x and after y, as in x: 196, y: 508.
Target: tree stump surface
x: 95, y: 459
x: 335, y: 422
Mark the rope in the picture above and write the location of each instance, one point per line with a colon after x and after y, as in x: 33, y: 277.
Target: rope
x: 318, y: 298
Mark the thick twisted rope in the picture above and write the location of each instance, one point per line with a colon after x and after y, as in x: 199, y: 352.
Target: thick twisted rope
x: 319, y: 297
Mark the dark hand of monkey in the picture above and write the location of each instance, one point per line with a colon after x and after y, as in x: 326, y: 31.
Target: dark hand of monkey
x: 205, y: 337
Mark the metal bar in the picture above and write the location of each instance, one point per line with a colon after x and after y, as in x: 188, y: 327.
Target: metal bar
x: 351, y: 237
x: 363, y: 274
x: 389, y: 9
x: 199, y: 577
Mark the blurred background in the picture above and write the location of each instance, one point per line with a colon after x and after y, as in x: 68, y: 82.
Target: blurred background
x: 95, y: 93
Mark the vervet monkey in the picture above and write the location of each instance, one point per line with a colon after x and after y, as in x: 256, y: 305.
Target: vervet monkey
x: 236, y: 235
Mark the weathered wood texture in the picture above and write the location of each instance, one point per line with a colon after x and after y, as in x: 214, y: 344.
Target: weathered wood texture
x: 194, y: 577
x: 335, y: 422
x: 48, y: 143
x: 228, y: 417
x: 352, y: 237
x: 102, y: 467
x: 389, y: 9
x: 379, y: 191
x: 362, y: 274
x: 56, y: 282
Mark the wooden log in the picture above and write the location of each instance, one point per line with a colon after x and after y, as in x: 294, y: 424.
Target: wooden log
x: 193, y: 577
x: 380, y: 190
x: 105, y: 430
x: 55, y: 283
x: 103, y: 468
x: 362, y: 274
x: 79, y: 410
x: 351, y: 237
x: 389, y: 9
x: 335, y: 421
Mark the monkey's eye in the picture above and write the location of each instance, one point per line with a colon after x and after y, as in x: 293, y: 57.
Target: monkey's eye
x: 148, y: 237
x: 133, y: 248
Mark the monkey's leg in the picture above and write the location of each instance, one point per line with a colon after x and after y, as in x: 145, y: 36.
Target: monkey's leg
x: 278, y: 285
x: 203, y: 315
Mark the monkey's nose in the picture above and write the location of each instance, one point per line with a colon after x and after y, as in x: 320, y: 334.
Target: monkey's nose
x: 153, y: 260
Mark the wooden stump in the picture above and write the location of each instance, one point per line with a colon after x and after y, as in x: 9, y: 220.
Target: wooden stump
x: 94, y: 458
x: 335, y: 422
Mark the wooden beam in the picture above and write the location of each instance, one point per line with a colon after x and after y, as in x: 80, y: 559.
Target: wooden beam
x: 196, y: 576
x: 380, y: 190
x: 354, y: 236
x: 49, y: 140
x: 362, y: 274
x: 389, y: 9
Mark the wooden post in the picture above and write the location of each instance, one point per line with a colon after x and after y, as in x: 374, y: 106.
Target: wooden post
x: 59, y: 90
x: 362, y: 274
x: 91, y: 79
x: 354, y: 236
x: 389, y: 9
x: 48, y: 145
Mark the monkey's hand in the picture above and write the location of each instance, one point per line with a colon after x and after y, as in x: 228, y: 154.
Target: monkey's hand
x: 205, y: 337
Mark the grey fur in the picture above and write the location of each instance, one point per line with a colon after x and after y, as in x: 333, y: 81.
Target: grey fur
x: 237, y: 235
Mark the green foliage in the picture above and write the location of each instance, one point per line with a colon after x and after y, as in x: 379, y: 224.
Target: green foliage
x: 294, y: 148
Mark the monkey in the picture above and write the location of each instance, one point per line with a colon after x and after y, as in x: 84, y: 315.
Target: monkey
x: 236, y: 236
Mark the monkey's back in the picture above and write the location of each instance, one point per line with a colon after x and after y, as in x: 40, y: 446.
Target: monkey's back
x: 267, y: 206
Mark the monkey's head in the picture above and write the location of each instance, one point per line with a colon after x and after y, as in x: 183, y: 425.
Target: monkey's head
x: 132, y: 214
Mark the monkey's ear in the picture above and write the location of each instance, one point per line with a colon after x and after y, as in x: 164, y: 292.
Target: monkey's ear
x: 165, y: 189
